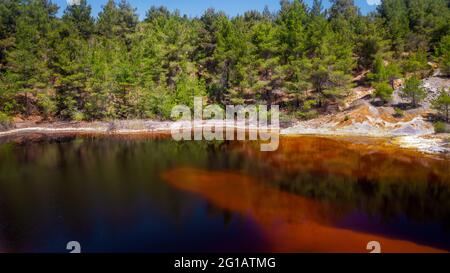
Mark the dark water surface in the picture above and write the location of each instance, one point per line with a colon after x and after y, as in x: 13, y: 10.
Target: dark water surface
x: 152, y: 194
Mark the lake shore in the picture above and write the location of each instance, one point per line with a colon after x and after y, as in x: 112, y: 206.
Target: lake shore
x: 426, y: 142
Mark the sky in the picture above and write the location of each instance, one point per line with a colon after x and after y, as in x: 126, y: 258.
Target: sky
x: 194, y: 8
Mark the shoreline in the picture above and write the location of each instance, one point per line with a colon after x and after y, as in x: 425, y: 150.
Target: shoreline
x: 426, y: 143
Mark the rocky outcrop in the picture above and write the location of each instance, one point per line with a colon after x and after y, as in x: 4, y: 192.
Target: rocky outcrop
x: 364, y: 119
x: 412, y: 129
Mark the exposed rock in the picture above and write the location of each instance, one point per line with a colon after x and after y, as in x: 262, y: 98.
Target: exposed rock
x: 362, y: 118
x: 398, y: 83
x: 434, y: 85
x: 17, y: 119
x: 433, y: 65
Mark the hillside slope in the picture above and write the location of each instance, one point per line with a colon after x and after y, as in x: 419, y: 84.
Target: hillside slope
x: 362, y: 117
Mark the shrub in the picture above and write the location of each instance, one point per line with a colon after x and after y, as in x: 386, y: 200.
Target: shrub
x: 5, y: 121
x: 444, y: 52
x: 414, y: 91
x: 47, y: 105
x: 307, y: 115
x: 383, y: 91
x: 416, y: 62
x: 383, y: 72
x: 398, y: 113
x: 442, y: 105
x: 440, y: 127
x: 78, y: 116
x: 445, y: 64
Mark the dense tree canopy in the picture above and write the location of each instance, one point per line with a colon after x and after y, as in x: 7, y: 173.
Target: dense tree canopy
x: 113, y: 66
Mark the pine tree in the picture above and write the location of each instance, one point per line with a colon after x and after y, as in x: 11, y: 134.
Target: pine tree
x: 232, y: 44
x: 371, y: 42
x: 266, y: 59
x: 443, y: 51
x: 442, y: 104
x: 429, y: 21
x: 117, y: 20
x: 413, y: 91
x: 344, y: 17
x: 317, y: 8
x: 79, y: 16
x: 71, y: 63
x: 395, y: 15
x: 205, y: 52
x: 29, y: 60
x: 292, y: 28
x: 331, y: 52
x: 75, y: 67
x: 9, y: 11
x: 383, y: 91
x: 292, y: 20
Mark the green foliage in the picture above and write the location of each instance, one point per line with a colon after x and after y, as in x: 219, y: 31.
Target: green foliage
x: 303, y: 109
x: 445, y: 64
x: 345, y: 18
x: 9, y: 11
x: 443, y: 51
x: 383, y: 91
x: 429, y: 21
x: 413, y: 91
x: 117, y: 20
x: 306, y: 114
x: 416, y: 62
x: 117, y: 67
x: 78, y: 116
x: 440, y: 127
x: 442, y: 104
x: 371, y: 43
x: 415, y: 25
x: 27, y: 62
x: 5, y: 121
x: 47, y: 105
x: 399, y: 112
x: 79, y: 18
x: 383, y: 72
x: 395, y: 14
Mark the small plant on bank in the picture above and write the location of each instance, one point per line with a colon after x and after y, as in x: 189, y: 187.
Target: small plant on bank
x: 307, y: 115
x: 46, y: 105
x: 78, y: 116
x: 442, y: 105
x: 414, y: 91
x: 5, y: 121
x: 399, y: 113
x: 383, y: 91
x: 440, y: 128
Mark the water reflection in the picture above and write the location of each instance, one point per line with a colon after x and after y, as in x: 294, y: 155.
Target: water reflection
x: 106, y: 193
x: 290, y: 222
x: 111, y: 194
